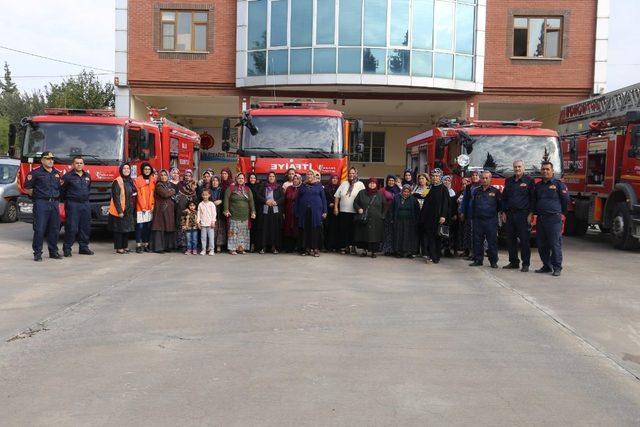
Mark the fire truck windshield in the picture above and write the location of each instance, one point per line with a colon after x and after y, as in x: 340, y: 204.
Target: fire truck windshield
x: 497, y: 153
x: 302, y: 136
x: 102, y: 144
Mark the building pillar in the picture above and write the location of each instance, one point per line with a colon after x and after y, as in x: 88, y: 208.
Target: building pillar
x: 122, y: 93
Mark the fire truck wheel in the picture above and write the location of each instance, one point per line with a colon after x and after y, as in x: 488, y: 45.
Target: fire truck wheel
x: 621, y: 236
x: 10, y: 213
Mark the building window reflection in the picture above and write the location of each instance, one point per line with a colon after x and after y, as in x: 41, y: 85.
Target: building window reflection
x: 374, y: 61
x: 421, y: 38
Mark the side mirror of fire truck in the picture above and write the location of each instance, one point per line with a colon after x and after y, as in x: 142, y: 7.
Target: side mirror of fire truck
x: 226, y: 134
x: 357, y: 133
x: 12, y: 139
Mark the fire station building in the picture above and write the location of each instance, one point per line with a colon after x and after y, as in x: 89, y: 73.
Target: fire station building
x: 400, y: 65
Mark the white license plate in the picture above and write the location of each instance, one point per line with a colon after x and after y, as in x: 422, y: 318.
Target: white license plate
x: 104, y: 210
x: 27, y: 209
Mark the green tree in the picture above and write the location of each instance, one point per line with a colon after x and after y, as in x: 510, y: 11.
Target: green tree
x: 7, y: 86
x: 81, y: 91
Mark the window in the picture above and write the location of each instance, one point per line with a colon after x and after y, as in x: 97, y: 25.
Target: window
x: 325, y: 21
x: 537, y: 37
x: 373, y: 148
x: 375, y: 22
x: 350, y: 22
x: 184, y: 31
x: 301, y: 22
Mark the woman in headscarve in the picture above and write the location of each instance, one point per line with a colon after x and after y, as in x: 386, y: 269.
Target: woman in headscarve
x: 269, y: 203
x: 122, y: 210
x: 174, y: 179
x: 369, y: 206
x: 433, y: 214
x: 239, y: 208
x: 311, y: 209
x: 465, y: 213
x: 407, y: 179
x: 291, y: 173
x: 389, y: 191
x: 331, y: 241
x: 145, y: 186
x: 420, y: 193
x: 204, y: 183
x: 186, y: 178
x: 290, y: 232
x: 186, y: 194
x: 254, y: 224
x: 164, y: 216
x: 343, y: 209
x: 226, y: 179
x: 217, y: 197
x: 405, y: 212
x: 451, y: 244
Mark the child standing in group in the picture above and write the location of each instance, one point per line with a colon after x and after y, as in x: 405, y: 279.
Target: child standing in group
x: 190, y: 228
x: 207, y: 222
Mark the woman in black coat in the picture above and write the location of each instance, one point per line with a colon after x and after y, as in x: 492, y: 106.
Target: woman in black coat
x: 122, y: 209
x: 434, y: 213
x: 270, y: 205
x: 369, y: 205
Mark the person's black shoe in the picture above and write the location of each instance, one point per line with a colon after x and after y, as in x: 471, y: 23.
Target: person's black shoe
x: 37, y: 258
x: 525, y: 269
x: 556, y: 273
x: 544, y: 270
x: 139, y: 249
x: 67, y: 254
x: 511, y: 266
x: 494, y: 265
x: 55, y: 256
x: 435, y: 261
x: 475, y: 264
x: 85, y: 251
x: 147, y: 249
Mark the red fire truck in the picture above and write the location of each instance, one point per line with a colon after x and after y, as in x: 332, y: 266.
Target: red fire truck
x: 276, y: 136
x: 105, y: 142
x: 601, y: 152
x: 483, y: 144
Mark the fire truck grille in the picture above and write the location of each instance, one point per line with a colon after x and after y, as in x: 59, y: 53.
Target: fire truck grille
x: 100, y: 192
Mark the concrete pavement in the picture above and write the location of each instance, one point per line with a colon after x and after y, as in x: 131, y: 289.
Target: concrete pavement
x: 339, y: 340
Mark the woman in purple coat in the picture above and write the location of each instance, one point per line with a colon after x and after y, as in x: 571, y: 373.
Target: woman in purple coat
x: 311, y: 209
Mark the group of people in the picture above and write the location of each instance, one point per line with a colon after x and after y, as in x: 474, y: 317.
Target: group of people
x: 407, y: 216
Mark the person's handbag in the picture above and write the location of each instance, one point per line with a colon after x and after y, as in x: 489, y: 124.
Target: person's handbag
x: 443, y: 230
x: 364, y: 216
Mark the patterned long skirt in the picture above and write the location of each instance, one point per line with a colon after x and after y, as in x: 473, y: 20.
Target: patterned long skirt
x: 239, y: 235
x: 221, y: 230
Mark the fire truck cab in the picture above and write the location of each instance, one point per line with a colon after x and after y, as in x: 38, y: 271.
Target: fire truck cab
x: 275, y: 136
x: 601, y: 151
x: 105, y: 142
x: 483, y: 144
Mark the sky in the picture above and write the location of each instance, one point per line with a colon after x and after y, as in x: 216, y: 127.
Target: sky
x: 82, y: 31
x: 79, y: 31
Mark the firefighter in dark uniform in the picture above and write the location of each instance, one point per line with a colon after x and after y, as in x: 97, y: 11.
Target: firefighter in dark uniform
x: 43, y: 185
x: 517, y: 200
x: 485, y: 206
x: 75, y: 191
x: 550, y: 199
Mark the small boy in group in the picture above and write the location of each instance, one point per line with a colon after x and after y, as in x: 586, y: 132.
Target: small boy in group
x: 207, y: 222
x: 190, y: 228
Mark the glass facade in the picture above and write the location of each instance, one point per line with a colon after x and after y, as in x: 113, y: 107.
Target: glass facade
x: 419, y: 38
